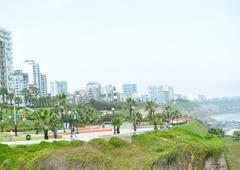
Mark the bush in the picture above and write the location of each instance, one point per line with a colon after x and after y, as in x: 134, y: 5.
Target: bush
x: 236, y: 136
x: 117, y: 142
x: 26, y: 125
x: 216, y: 131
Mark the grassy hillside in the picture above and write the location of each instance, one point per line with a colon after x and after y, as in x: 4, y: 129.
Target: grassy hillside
x: 232, y: 152
x: 116, y: 153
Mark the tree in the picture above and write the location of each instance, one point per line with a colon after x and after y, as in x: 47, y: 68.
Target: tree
x: 10, y: 97
x: 3, y: 93
x: 5, y: 125
x: 136, y: 118
x: 167, y: 110
x: 61, y: 106
x: 27, y: 94
x: 236, y: 136
x: 130, y: 104
x: 87, y: 114
x: 216, y: 131
x: 18, y: 101
x: 34, y: 91
x: 117, y: 121
x: 151, y: 107
x: 175, y: 114
x: 156, y: 119
x: 45, y: 119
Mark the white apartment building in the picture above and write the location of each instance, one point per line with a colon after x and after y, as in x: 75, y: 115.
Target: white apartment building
x: 6, y: 68
x: 59, y: 87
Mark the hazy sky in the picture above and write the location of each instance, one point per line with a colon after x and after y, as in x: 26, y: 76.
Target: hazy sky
x: 192, y: 45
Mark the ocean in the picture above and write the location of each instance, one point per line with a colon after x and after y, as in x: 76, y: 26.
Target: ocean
x: 227, y: 117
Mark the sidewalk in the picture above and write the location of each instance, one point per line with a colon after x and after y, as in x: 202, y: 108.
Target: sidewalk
x: 83, y: 136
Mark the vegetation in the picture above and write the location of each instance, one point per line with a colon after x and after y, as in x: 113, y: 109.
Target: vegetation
x: 236, y: 136
x: 216, y: 131
x: 117, y: 153
x: 232, y: 153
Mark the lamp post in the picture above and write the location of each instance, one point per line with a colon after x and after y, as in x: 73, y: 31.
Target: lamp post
x: 114, y: 127
x: 15, y: 118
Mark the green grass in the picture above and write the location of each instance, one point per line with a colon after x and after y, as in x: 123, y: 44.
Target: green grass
x: 117, y: 153
x: 195, y: 127
x: 232, y: 153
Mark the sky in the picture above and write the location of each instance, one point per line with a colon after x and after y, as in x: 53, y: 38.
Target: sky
x: 189, y: 44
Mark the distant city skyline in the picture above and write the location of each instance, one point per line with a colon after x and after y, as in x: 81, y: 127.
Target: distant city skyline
x: 193, y: 46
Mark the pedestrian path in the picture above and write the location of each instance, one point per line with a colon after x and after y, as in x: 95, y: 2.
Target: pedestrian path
x: 83, y: 136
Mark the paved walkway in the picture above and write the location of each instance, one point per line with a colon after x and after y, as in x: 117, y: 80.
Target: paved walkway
x: 83, y: 137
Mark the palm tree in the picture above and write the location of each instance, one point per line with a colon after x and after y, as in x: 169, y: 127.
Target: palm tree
x: 130, y: 104
x: 117, y: 121
x: 175, y: 114
x: 3, y: 93
x: 167, y: 110
x: 45, y: 119
x: 156, y: 119
x: 61, y: 106
x: 27, y: 94
x: 10, y: 97
x: 34, y: 91
x: 151, y: 108
x: 136, y: 118
x: 18, y: 101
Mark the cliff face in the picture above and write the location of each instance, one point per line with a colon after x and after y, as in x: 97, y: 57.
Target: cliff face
x: 185, y: 162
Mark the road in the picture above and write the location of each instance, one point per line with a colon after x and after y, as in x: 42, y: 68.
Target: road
x: 83, y: 137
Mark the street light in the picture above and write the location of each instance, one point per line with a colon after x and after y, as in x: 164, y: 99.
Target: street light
x: 15, y: 118
x: 114, y: 127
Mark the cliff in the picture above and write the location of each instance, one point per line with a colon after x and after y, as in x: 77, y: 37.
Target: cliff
x: 185, y: 162
x: 183, y: 147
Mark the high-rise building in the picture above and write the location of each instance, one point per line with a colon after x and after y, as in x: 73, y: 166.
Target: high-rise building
x: 43, y: 85
x: 33, y: 70
x: 6, y: 68
x: 20, y: 82
x: 93, y: 90
x: 168, y: 94
x: 79, y: 97
x: 171, y: 93
x: 156, y: 94
x: 59, y: 87
x: 107, y: 92
x: 36, y: 79
x: 129, y: 90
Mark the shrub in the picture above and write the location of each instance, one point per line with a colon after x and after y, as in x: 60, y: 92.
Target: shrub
x: 236, y: 136
x: 117, y: 142
x: 216, y: 131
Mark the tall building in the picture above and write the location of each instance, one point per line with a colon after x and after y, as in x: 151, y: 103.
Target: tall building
x: 36, y: 79
x: 6, y: 68
x: 107, y: 92
x: 20, y: 82
x: 129, y: 90
x: 168, y: 93
x: 43, y: 85
x: 79, y: 97
x: 59, y: 87
x: 156, y: 94
x: 33, y: 70
x: 171, y: 93
x: 93, y: 90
